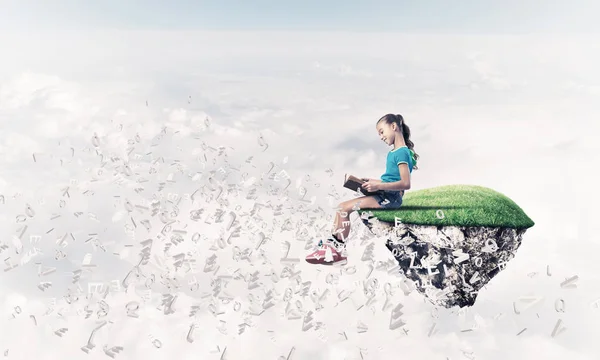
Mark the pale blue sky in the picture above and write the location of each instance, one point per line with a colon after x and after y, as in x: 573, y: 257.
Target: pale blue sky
x: 471, y: 16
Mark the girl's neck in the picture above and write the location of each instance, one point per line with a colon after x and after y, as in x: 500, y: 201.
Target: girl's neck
x: 399, y: 142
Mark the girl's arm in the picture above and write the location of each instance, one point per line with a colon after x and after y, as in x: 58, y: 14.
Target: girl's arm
x: 395, y: 186
x: 403, y: 184
x: 374, y: 180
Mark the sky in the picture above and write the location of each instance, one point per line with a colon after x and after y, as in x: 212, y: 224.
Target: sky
x: 515, y: 112
x: 468, y: 16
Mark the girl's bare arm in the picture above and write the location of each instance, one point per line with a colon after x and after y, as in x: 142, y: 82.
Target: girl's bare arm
x: 375, y: 180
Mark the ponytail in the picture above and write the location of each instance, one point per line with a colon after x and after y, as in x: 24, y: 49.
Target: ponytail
x: 406, y: 135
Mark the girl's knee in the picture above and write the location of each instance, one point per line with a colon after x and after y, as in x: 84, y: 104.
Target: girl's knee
x: 344, y: 210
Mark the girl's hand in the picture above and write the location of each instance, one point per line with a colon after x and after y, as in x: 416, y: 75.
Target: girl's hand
x: 372, y: 185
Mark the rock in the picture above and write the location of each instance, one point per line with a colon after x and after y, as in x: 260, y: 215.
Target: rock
x: 448, y: 264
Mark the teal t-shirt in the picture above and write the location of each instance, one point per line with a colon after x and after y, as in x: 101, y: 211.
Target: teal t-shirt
x: 394, y: 158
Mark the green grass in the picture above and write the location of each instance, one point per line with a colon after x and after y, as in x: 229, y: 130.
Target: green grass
x: 462, y: 205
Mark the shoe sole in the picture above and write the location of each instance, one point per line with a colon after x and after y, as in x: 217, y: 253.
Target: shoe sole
x: 321, y: 262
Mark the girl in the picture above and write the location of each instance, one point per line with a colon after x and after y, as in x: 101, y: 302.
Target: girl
x: 401, y: 160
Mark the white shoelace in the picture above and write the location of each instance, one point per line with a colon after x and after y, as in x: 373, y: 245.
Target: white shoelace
x: 339, y: 246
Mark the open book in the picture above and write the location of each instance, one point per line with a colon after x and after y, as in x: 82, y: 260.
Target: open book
x: 355, y: 184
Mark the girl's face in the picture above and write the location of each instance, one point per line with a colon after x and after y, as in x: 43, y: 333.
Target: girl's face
x: 386, y: 132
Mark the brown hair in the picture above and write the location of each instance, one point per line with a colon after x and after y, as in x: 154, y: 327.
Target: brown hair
x: 405, y: 130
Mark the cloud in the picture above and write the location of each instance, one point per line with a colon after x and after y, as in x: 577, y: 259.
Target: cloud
x: 534, y: 143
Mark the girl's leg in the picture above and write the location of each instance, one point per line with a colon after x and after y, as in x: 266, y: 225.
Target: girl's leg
x: 341, y: 224
x: 328, y: 253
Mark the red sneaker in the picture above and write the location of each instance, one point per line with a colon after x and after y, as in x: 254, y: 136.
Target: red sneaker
x: 328, y: 252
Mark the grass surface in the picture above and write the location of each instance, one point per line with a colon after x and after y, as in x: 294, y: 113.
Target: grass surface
x: 462, y: 205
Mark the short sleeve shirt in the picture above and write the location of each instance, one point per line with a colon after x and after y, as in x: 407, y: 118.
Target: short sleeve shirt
x: 394, y: 158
